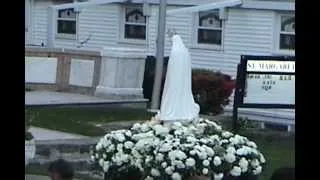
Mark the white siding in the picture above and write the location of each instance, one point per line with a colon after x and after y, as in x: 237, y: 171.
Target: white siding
x: 99, y: 21
x: 40, y: 22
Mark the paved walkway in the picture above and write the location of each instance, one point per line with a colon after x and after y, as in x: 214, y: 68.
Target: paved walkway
x: 46, y: 134
x: 38, y: 177
x: 56, y: 98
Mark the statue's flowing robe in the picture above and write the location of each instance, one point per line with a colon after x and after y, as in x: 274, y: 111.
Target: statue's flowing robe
x: 177, y: 102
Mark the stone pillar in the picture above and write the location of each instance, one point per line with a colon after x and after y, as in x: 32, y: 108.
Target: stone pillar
x: 122, y: 72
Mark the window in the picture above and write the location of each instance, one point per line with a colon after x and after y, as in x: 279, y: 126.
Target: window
x: 287, y: 32
x: 134, y: 24
x: 209, y: 28
x: 67, y: 23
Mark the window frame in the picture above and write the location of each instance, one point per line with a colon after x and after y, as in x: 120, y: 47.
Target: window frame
x: 195, y: 31
x: 278, y: 32
x: 65, y: 35
x: 123, y: 23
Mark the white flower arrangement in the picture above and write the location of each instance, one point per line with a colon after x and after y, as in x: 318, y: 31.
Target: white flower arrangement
x: 177, y: 151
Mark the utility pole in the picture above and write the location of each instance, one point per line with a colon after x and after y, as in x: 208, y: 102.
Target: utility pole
x: 160, y: 55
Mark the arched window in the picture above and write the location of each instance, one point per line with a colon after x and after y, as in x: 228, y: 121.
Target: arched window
x: 135, y: 23
x: 287, y: 33
x: 209, y: 28
x: 67, y: 22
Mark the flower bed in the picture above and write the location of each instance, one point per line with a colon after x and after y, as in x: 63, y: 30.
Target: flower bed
x: 177, y: 151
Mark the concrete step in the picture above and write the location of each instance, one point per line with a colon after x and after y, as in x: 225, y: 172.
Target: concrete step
x: 50, y: 148
x: 80, y: 162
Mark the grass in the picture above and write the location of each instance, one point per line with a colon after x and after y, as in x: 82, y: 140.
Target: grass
x: 279, y: 152
x: 82, y: 120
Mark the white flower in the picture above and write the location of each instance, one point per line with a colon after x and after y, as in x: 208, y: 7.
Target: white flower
x: 209, y: 151
x: 191, y: 139
x: 119, y: 147
x: 219, y: 128
x: 136, y: 154
x: 106, y: 166
x: 119, y: 137
x: 227, y: 134
x: 98, y: 147
x: 230, y: 158
x: 243, y: 163
x: 202, y: 155
x: 111, y: 148
x: 176, y: 176
x: 97, y: 156
x: 223, y: 141
x: 179, y: 164
x: 262, y: 159
x: 217, y: 161
x: 164, y: 165
x: 255, y: 163
x: 206, y: 163
x: 218, y: 176
x: 236, y: 171
x: 101, y: 162
x: 128, y: 133
x: 204, y: 141
x: 190, y: 162
x: 165, y: 147
x: 234, y: 140
x: 176, y: 125
x: 155, y: 172
x: 205, y: 171
x: 136, y: 126
x: 242, y: 151
x: 128, y: 144
x: 104, y: 156
x: 169, y: 170
x: 192, y: 152
x: 144, y: 127
x: 92, y: 158
x: 257, y: 170
x: 148, y: 178
x: 159, y: 157
x: 251, y: 144
x: 161, y: 130
x: 231, y: 150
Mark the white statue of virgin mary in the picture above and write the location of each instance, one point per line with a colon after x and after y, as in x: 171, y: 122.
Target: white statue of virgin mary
x: 177, y: 102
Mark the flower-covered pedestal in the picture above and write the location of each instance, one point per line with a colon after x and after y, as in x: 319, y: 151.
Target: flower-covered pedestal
x: 29, y: 150
x: 199, y: 150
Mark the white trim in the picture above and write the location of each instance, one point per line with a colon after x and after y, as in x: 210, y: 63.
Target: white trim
x: 63, y: 35
x: 270, y: 5
x: 86, y: 4
x: 196, y: 27
x: 277, y: 30
x: 122, y: 24
x: 215, y: 5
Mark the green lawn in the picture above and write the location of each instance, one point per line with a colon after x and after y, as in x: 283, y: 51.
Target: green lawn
x: 278, y: 152
x: 82, y: 120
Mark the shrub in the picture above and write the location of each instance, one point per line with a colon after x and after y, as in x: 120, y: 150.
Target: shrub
x: 210, y: 89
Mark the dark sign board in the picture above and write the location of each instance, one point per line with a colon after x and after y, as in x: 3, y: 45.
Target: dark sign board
x: 265, y: 82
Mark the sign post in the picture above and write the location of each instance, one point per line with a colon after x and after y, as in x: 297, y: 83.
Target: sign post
x: 264, y: 82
